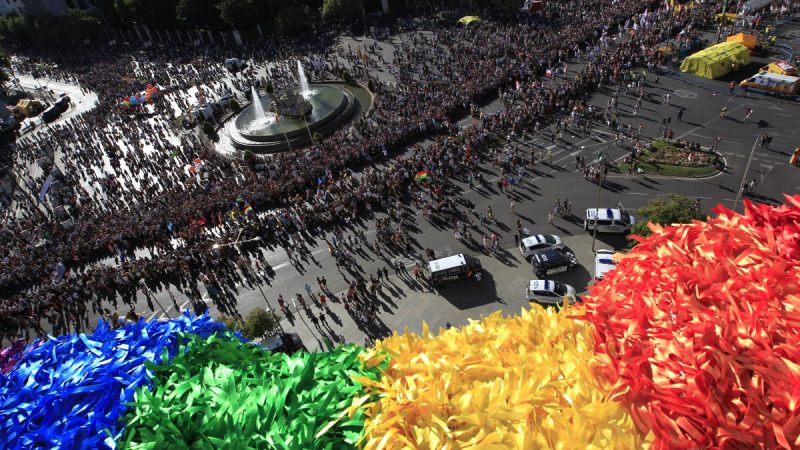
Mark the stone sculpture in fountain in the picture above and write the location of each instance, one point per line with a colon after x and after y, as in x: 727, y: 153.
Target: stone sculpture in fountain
x: 290, y: 103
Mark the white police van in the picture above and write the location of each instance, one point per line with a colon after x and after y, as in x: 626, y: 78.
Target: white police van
x: 609, y: 220
x: 603, y: 262
x: 549, y: 292
x: 453, y: 268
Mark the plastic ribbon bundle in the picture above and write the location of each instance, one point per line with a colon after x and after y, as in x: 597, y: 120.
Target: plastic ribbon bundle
x: 9, y: 357
x: 220, y: 393
x: 700, y: 326
x: 71, y: 392
x: 521, y: 382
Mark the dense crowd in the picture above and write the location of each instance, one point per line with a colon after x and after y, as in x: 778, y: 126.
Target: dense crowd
x: 125, y: 177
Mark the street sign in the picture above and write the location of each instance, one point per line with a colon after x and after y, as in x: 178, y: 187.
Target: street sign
x: 719, y: 138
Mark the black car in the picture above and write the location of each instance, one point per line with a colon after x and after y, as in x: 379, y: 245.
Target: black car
x: 552, y: 261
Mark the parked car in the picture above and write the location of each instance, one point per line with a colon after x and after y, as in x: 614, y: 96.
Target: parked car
x: 549, y: 292
x: 532, y: 244
x: 549, y: 262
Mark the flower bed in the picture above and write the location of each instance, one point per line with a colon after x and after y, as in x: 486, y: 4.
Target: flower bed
x: 670, y: 154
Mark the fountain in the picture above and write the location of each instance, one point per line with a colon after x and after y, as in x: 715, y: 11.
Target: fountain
x: 292, y: 116
x: 261, y: 117
x: 304, y: 89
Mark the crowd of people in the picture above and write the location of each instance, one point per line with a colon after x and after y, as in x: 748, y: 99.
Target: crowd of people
x: 132, y: 180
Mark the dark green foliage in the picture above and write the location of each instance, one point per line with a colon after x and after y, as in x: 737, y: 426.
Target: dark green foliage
x: 666, y: 211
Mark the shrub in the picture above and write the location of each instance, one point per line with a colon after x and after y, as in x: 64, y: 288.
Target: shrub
x: 347, y: 77
x: 269, y: 89
x: 233, y: 104
x: 371, y: 86
x: 248, y: 155
x: 260, y: 323
x: 318, y: 138
x: 208, y: 128
x: 231, y: 323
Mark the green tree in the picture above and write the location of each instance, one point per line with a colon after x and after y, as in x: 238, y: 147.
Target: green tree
x: 294, y: 19
x: 244, y: 14
x: 346, y: 76
x: 371, y: 85
x: 260, y: 323
x: 75, y: 25
x: 198, y: 13
x: 208, y: 128
x: 269, y: 88
x: 666, y: 211
x: 318, y: 138
x: 348, y: 10
x: 233, y: 104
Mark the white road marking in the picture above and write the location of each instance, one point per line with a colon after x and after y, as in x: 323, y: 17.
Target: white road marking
x: 763, y: 172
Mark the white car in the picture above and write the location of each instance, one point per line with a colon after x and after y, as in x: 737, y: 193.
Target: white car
x: 532, y: 244
x: 603, y: 262
x: 549, y: 292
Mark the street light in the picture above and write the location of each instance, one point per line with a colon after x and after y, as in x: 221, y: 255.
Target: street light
x: 597, y: 208
x: 746, y: 170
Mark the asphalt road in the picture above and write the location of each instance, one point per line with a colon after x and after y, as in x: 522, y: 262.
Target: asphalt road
x: 535, y: 198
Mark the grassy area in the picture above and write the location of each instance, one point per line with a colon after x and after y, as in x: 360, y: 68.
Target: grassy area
x: 656, y: 166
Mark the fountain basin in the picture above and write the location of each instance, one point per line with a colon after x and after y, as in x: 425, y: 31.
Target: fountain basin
x: 331, y: 105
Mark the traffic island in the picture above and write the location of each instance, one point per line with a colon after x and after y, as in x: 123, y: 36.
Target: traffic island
x: 676, y: 159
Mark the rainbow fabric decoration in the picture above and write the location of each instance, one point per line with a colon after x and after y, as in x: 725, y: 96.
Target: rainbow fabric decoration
x: 691, y: 342
x: 248, y: 209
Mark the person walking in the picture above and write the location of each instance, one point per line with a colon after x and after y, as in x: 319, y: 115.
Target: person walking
x: 512, y: 205
x: 315, y: 321
x: 733, y: 86
x: 680, y: 115
x: 323, y: 320
x: 478, y: 277
x: 386, y: 273
x: 307, y: 287
x: 747, y: 114
x: 550, y: 218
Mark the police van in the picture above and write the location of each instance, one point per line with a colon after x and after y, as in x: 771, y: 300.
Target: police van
x: 553, y: 261
x: 453, y: 268
x: 603, y: 262
x: 609, y: 220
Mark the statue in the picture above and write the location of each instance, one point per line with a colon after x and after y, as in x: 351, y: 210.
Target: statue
x: 290, y: 103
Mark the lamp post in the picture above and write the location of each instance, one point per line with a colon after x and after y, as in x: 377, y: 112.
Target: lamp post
x: 597, y: 208
x: 237, y: 243
x: 744, y: 177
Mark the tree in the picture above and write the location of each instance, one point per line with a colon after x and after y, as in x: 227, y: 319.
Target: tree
x: 318, y: 138
x: 260, y: 323
x: 243, y: 14
x: 233, y: 104
x: 208, y: 128
x: 348, y: 10
x: 198, y: 13
x: 666, y: 211
x: 294, y: 19
x: 346, y: 76
x: 76, y: 25
x: 371, y: 85
x: 269, y: 88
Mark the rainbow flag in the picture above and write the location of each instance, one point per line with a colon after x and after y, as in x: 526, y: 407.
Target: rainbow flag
x: 421, y: 176
x: 248, y: 209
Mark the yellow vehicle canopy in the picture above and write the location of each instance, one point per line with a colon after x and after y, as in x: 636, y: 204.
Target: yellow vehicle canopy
x: 716, y: 60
